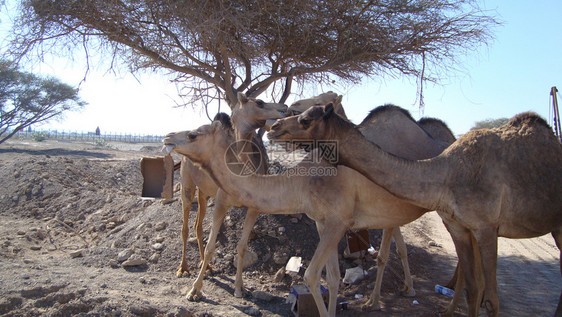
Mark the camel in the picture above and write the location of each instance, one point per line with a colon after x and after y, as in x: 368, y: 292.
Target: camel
x: 302, y: 105
x: 436, y: 128
x: 253, y: 113
x: 491, y: 182
x: 396, y: 131
x: 319, y: 197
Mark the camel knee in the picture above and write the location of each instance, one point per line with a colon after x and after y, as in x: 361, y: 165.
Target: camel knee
x: 402, y: 252
x: 186, y: 197
x: 198, y: 227
x: 184, y: 232
x: 209, y: 251
x: 491, y: 308
x: 381, y: 261
x: 310, y: 279
x: 491, y: 303
x: 241, y: 249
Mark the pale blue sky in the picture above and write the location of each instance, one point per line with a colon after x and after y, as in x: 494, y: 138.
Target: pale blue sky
x: 514, y: 73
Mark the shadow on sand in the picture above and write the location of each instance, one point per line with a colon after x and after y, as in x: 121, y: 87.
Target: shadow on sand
x: 58, y: 152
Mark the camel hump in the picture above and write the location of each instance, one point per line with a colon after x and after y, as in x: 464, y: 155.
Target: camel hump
x: 528, y: 118
x: 431, y: 120
x: 224, y: 119
x: 437, y: 129
x: 385, y: 109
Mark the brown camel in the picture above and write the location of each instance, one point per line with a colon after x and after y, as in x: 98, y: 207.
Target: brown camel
x: 318, y: 196
x: 491, y: 182
x: 254, y: 113
x: 394, y: 129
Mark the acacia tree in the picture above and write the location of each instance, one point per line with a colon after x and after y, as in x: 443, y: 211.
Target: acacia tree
x: 26, y: 99
x: 489, y: 123
x: 216, y: 48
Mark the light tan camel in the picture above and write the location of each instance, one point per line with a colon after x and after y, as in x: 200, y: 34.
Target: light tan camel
x: 499, y: 182
x: 323, y: 99
x: 254, y: 113
x: 368, y: 206
x: 396, y: 131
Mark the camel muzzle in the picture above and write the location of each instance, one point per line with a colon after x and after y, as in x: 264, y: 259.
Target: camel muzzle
x: 168, y: 148
x: 169, y: 143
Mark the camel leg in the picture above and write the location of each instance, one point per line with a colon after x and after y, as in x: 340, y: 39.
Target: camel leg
x: 558, y: 239
x: 458, y: 280
x: 331, y: 234
x: 221, y: 208
x: 333, y: 278
x: 408, y: 289
x: 463, y: 244
x: 251, y: 217
x: 384, y: 250
x: 187, y: 192
x: 488, y: 244
x: 453, y: 280
x: 458, y: 287
x: 202, y: 199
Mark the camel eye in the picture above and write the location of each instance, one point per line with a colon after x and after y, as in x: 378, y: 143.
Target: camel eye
x: 192, y: 136
x: 304, y: 122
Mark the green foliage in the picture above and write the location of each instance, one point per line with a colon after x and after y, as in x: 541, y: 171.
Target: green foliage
x: 26, y: 99
x: 489, y: 123
x: 40, y: 136
x: 100, y: 142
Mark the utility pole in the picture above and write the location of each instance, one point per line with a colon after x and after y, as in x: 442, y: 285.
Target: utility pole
x: 557, y: 128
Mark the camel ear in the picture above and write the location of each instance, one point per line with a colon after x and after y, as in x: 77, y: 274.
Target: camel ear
x: 216, y: 125
x: 242, y: 97
x: 338, y: 101
x: 328, y: 110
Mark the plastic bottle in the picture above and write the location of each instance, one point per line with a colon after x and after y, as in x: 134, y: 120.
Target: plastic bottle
x: 444, y: 290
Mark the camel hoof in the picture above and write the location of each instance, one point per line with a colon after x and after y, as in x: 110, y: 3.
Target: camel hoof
x: 408, y: 292
x: 238, y: 293
x: 371, y: 306
x: 182, y: 272
x: 194, y: 295
x: 445, y: 312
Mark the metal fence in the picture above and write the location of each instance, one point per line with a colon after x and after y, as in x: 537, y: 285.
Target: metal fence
x: 87, y: 136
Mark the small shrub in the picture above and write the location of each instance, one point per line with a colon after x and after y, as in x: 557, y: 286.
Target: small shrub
x: 101, y: 143
x: 40, y: 136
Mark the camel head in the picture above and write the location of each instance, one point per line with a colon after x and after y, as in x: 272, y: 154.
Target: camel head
x: 313, y: 124
x: 201, y: 144
x: 250, y: 113
x: 302, y: 105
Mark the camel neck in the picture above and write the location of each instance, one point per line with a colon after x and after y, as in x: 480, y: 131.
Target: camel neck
x: 420, y: 182
x: 267, y: 193
x: 244, y: 129
x: 259, y: 157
